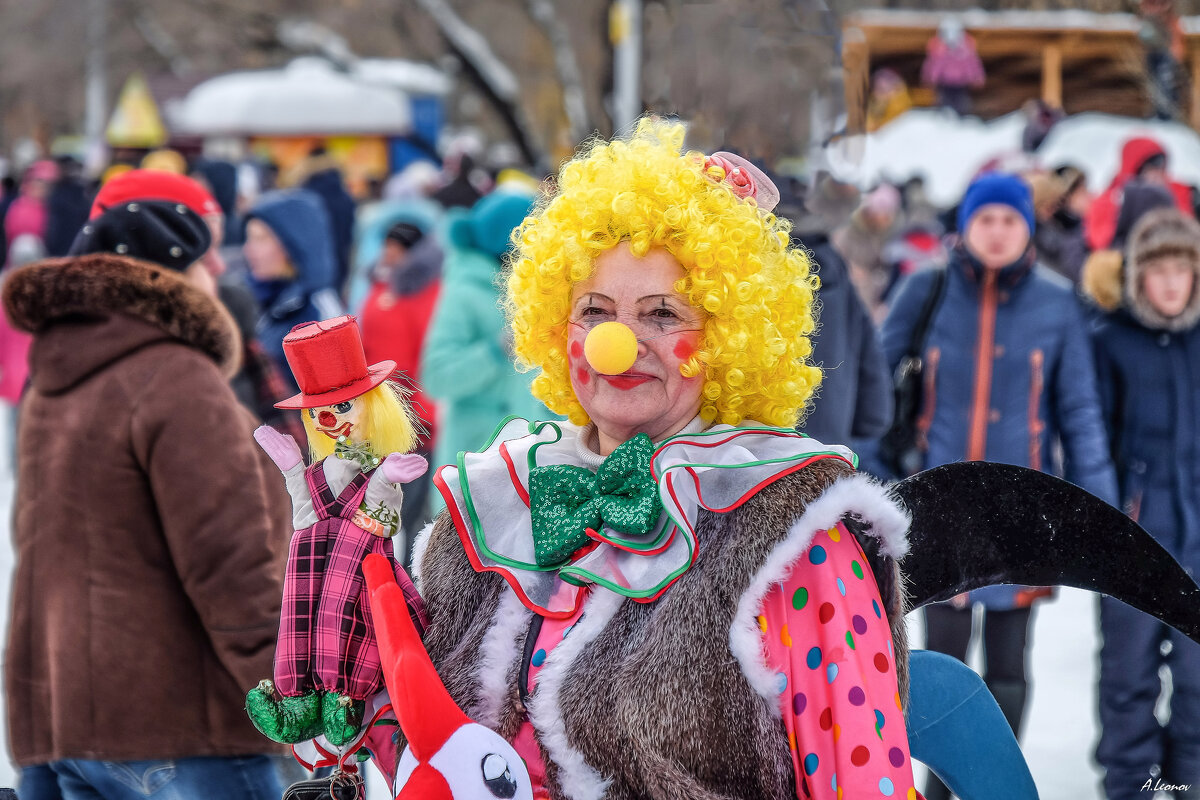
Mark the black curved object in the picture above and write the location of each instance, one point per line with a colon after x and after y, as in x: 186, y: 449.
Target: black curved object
x: 977, y: 524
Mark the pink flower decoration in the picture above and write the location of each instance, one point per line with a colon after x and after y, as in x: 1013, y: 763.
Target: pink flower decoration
x: 738, y: 179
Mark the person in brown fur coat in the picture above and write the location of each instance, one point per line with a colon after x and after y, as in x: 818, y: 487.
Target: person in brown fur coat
x: 673, y: 595
x: 150, y: 532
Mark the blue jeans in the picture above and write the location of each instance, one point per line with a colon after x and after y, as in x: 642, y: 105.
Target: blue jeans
x: 243, y: 777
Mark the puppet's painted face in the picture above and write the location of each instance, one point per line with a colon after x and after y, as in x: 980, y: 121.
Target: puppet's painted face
x: 342, y: 419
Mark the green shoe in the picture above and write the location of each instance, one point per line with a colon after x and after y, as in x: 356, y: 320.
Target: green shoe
x: 286, y: 720
x: 341, y: 717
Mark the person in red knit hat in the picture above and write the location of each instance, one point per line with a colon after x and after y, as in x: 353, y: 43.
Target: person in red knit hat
x: 395, y: 317
x: 258, y: 383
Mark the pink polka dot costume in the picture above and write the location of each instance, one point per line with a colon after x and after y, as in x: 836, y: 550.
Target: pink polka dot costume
x: 829, y: 641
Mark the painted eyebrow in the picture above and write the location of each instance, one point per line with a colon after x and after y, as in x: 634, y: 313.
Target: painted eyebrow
x: 590, y: 295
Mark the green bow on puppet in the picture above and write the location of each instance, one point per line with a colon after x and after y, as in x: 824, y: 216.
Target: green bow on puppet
x: 566, y: 501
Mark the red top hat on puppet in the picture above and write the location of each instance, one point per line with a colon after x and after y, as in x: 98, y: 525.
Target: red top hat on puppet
x: 329, y: 364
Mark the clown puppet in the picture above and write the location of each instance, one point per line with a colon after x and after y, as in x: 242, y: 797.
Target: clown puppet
x: 345, y: 505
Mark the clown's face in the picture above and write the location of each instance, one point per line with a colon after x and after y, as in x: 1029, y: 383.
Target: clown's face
x: 652, y: 396
x: 342, y: 419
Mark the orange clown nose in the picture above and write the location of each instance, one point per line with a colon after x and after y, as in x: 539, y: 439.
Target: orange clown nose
x: 611, y: 348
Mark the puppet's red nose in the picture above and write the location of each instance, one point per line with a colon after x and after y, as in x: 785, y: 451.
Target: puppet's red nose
x: 327, y: 419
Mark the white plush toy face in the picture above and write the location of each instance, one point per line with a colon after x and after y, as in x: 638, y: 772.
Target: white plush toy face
x: 475, y: 763
x: 342, y: 419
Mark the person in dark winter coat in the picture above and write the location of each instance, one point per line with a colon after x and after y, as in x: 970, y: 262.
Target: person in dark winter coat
x: 1008, y: 374
x: 66, y: 207
x: 1058, y: 237
x: 855, y: 400
x: 220, y: 179
x: 290, y: 253
x: 1147, y: 357
x: 320, y: 174
x: 150, y: 530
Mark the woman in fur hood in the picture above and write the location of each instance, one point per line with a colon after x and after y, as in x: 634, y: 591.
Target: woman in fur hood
x: 1148, y: 357
x: 666, y: 596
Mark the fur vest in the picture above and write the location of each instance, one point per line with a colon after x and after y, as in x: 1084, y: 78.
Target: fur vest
x: 669, y: 699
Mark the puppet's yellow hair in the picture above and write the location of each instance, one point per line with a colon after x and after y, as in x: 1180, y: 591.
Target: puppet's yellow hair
x: 386, y: 419
x: 756, y: 290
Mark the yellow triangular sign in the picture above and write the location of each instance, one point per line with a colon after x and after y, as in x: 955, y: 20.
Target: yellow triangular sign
x: 135, y: 121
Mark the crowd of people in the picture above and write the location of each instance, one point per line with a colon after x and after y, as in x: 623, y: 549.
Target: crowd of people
x: 1058, y: 332
x: 144, y: 340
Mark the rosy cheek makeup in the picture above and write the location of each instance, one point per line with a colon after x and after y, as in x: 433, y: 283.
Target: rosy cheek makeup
x: 582, y: 376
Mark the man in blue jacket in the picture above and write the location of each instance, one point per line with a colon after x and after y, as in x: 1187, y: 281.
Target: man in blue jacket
x: 1008, y: 376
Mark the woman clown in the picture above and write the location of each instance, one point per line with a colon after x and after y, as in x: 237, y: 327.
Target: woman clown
x: 667, y: 596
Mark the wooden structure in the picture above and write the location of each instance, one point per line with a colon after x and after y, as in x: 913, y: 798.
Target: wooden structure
x: 1075, y: 60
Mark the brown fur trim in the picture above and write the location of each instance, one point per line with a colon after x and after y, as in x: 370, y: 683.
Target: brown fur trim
x: 37, y: 295
x: 1161, y: 233
x: 1101, y: 279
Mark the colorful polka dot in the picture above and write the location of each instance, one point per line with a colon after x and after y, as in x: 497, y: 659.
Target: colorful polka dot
x: 850, y: 639
x: 833, y: 783
x: 859, y: 756
x: 841, y: 587
x: 781, y: 683
x: 875, y: 606
x: 912, y: 793
x: 785, y: 638
x: 837, y: 732
x: 898, y: 705
x: 817, y: 554
x: 857, y: 696
x: 539, y: 658
x: 881, y: 662
x: 814, y: 658
x: 762, y: 623
x: 831, y: 672
x: 835, y: 535
x: 825, y: 613
x: 879, y: 721
x: 792, y: 740
x: 826, y: 720
x: 885, y: 787
x: 800, y: 598
x: 799, y: 703
x: 896, y: 756
x: 810, y: 763
x: 890, y: 653
x: 856, y: 568
x: 860, y: 624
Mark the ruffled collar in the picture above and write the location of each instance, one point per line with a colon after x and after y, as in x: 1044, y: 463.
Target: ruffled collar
x: 715, y: 469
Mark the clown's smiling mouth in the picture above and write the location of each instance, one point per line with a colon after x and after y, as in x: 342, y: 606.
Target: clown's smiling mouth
x: 334, y: 433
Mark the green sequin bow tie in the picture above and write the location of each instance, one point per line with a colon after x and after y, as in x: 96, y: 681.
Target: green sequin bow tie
x: 565, y: 501
x: 360, y: 452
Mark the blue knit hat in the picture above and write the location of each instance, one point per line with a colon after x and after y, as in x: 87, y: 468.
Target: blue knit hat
x: 996, y: 187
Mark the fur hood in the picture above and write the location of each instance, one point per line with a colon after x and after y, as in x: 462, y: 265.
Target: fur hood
x: 1163, y: 232
x: 37, y: 296
x: 1100, y: 280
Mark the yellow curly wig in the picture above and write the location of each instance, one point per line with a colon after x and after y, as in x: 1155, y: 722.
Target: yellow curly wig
x: 757, y: 292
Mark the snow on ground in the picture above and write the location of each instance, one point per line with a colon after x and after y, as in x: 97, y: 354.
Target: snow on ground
x: 948, y: 150
x: 1060, y: 727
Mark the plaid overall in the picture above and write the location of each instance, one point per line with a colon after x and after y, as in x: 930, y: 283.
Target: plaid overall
x: 326, y: 640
